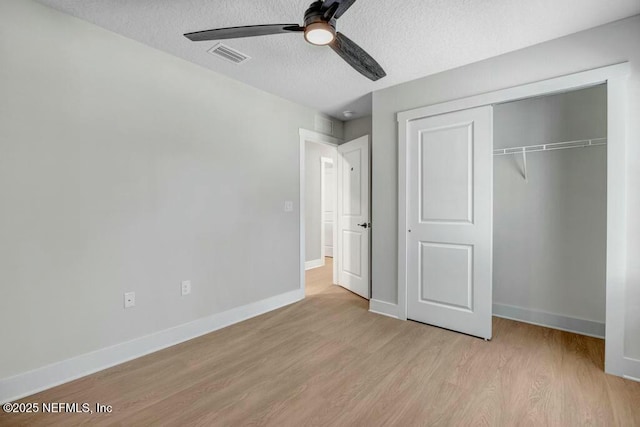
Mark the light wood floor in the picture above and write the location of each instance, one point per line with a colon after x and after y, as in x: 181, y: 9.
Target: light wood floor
x: 328, y: 361
x: 319, y: 280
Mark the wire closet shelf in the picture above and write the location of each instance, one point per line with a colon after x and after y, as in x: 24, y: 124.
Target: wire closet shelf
x: 552, y: 146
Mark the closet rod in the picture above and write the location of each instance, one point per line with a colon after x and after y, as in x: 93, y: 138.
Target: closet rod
x: 548, y: 147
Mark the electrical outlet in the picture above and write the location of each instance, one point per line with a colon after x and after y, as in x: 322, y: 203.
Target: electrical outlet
x: 129, y: 299
x: 185, y: 287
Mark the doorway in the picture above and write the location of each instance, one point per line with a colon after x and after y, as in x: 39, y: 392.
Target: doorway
x: 335, y: 225
x: 328, y: 194
x: 549, y: 210
x: 319, y: 200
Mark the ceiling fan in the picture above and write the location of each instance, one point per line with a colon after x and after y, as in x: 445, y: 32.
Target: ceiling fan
x: 319, y: 29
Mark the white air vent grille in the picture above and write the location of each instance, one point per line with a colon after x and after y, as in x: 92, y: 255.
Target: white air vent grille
x: 228, y: 54
x: 324, y: 125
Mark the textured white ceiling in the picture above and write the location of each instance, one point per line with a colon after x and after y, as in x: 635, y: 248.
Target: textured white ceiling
x: 410, y: 39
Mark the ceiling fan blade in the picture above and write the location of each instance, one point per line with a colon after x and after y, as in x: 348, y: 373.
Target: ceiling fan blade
x: 238, y: 32
x: 344, y: 5
x: 330, y: 11
x: 357, y: 57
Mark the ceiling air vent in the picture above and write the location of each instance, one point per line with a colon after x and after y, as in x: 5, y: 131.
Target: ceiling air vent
x: 228, y: 54
x: 324, y: 125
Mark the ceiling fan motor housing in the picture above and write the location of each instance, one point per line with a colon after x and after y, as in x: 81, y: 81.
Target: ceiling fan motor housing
x: 319, y: 24
x: 315, y: 15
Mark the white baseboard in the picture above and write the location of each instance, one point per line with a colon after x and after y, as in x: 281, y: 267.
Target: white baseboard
x: 628, y: 377
x: 315, y: 263
x: 384, y: 308
x: 550, y: 320
x: 631, y: 369
x: 31, y: 382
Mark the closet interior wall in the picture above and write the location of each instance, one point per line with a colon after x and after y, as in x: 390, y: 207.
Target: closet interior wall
x: 550, y: 229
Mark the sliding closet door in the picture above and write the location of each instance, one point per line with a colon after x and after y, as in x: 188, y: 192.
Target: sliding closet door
x: 449, y: 236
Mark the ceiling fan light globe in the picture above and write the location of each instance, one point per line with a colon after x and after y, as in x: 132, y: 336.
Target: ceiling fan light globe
x: 319, y: 34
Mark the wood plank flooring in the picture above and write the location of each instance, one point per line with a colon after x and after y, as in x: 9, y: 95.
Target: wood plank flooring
x: 318, y: 280
x: 328, y: 361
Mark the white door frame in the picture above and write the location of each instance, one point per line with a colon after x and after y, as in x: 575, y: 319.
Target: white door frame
x: 615, y: 76
x: 324, y: 161
x: 319, y: 138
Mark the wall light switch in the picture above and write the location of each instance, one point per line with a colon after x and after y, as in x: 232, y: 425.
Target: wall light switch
x: 129, y: 299
x: 288, y: 206
x: 185, y: 287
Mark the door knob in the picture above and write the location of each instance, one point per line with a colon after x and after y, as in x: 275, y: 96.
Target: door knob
x: 365, y: 225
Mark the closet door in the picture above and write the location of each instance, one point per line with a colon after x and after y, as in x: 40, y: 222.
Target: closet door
x: 449, y: 236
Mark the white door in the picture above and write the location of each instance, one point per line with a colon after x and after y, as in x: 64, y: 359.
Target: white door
x: 449, y: 218
x: 353, y: 216
x: 328, y: 202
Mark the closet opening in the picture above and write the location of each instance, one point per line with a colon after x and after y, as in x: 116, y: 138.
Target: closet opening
x: 550, y: 210
x: 446, y: 262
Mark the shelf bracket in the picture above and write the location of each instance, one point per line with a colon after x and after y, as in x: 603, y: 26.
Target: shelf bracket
x: 524, y: 166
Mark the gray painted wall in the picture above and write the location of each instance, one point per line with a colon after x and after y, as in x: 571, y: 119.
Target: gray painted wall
x: 357, y: 127
x: 549, y: 241
x: 313, y: 217
x: 602, y: 46
x: 123, y: 168
x: 575, y: 115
